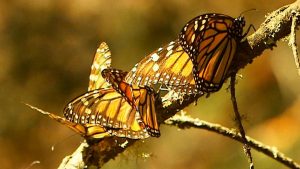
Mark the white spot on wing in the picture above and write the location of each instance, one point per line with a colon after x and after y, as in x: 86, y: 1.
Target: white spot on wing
x: 88, y: 111
x: 196, y: 25
x: 193, y: 38
x: 169, y: 53
x: 133, y: 69
x: 170, y: 47
x: 84, y: 101
x: 155, y: 67
x: 157, y: 74
x: 96, y: 65
x: 154, y: 57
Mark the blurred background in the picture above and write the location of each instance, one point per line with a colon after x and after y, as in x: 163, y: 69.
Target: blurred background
x: 46, y: 51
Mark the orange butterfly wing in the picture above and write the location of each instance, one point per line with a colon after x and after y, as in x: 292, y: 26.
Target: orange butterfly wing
x: 109, y: 109
x: 211, y: 41
x: 85, y: 130
x: 169, y: 65
x: 102, y: 60
x: 140, y: 97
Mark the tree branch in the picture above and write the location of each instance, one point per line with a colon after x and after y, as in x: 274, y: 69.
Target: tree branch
x: 276, y: 26
x: 183, y: 121
x: 292, y: 41
x: 238, y: 119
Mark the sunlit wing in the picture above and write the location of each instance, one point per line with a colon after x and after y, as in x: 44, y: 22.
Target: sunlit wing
x: 140, y: 97
x: 102, y: 60
x: 109, y: 109
x: 85, y: 130
x: 169, y: 65
x: 210, y: 40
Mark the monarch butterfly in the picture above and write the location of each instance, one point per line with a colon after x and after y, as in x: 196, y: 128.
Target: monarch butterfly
x: 169, y: 65
x: 211, y: 41
x: 140, y: 97
x: 109, y: 110
x: 102, y: 111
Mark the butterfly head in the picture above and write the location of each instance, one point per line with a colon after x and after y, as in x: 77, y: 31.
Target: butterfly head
x: 109, y: 76
x: 113, y: 76
x: 239, y: 23
x: 237, y: 27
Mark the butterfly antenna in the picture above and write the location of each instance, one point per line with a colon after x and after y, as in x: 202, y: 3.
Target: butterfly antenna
x: 252, y: 9
x: 250, y: 26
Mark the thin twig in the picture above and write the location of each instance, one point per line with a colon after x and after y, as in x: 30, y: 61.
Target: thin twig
x: 247, y: 148
x: 184, y: 121
x: 292, y: 41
